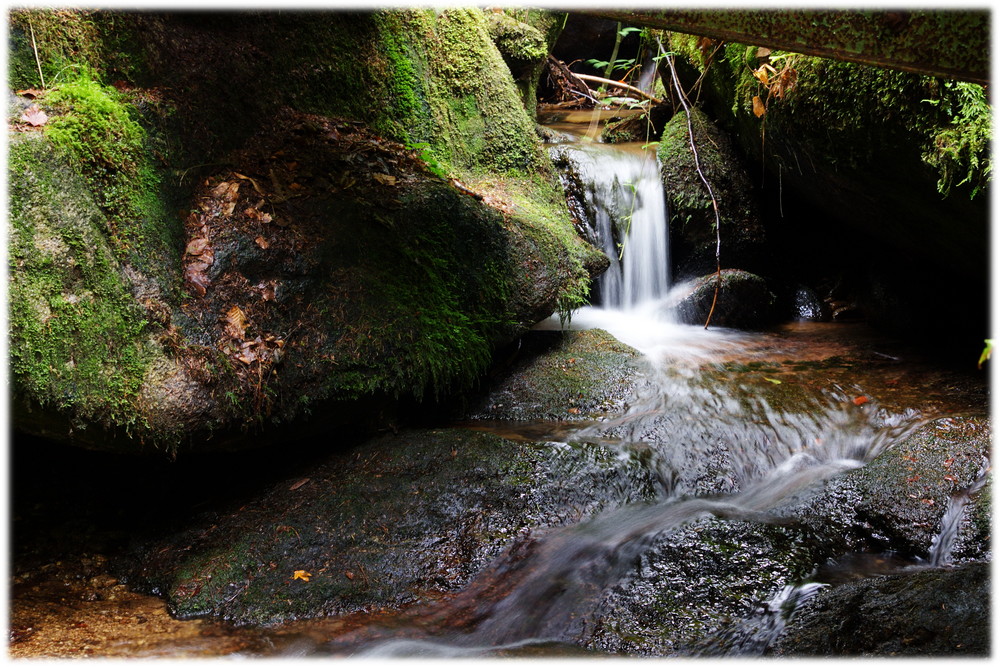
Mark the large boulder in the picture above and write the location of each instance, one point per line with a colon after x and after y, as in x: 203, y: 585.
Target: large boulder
x: 733, y: 298
x: 315, y: 265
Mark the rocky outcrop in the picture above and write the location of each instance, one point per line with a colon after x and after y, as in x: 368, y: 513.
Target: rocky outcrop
x: 874, y: 177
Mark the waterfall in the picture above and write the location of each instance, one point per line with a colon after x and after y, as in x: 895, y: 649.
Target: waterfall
x: 624, y: 199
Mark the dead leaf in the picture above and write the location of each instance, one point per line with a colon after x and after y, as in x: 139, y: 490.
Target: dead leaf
x: 950, y: 478
x: 301, y: 574
x: 384, y: 179
x: 236, y: 322
x: 196, y: 279
x: 221, y: 190
x: 30, y: 93
x: 860, y: 400
x: 34, y: 116
x: 262, y: 243
x: 349, y: 575
x: 763, y: 51
x: 758, y: 107
x: 574, y: 411
x: 196, y: 246
x: 253, y: 183
x: 268, y: 295
x: 927, y: 501
x: 298, y: 484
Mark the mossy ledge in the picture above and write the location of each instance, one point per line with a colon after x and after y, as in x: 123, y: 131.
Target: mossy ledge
x: 402, y: 228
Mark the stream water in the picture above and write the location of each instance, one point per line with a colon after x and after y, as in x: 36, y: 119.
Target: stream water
x: 725, y: 444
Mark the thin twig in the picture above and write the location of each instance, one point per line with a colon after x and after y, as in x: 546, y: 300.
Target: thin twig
x: 708, y: 186
x: 34, y: 48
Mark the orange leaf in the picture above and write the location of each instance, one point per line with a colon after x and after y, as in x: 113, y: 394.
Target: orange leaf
x: 384, y: 179
x: 261, y: 243
x: 758, y: 107
x: 349, y: 575
x: 574, y: 411
x: 236, y: 322
x: 301, y: 574
x: 860, y: 400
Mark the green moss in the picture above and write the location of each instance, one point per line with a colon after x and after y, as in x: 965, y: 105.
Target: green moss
x: 856, y: 112
x: 77, y: 338
x: 95, y: 128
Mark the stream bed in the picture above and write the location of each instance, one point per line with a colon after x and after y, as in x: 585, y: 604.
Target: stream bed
x: 663, y: 515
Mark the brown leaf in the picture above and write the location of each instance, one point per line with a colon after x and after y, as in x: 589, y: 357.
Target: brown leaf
x: 236, y: 322
x: 30, y: 93
x: 196, y: 279
x: 758, y: 107
x: 262, y: 243
x: 34, y: 116
x: 349, y: 575
x: 221, y: 189
x: 298, y: 484
x: 196, y: 246
x: 268, y: 295
x: 763, y: 51
x: 574, y: 411
x: 384, y: 179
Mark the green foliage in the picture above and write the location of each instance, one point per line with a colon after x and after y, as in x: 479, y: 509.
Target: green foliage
x: 961, y: 149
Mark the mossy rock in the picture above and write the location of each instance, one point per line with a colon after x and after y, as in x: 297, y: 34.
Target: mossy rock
x: 400, y: 519
x: 879, y: 174
x: 691, y: 208
x: 564, y: 376
x: 744, y: 301
x: 409, y: 284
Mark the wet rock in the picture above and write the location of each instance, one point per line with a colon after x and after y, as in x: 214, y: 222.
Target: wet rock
x: 403, y: 518
x: 924, y: 613
x: 807, y: 306
x: 563, y: 376
x: 697, y: 581
x: 898, y: 501
x: 744, y: 301
x: 692, y: 214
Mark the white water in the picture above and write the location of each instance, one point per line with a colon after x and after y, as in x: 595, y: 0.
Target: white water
x: 624, y: 190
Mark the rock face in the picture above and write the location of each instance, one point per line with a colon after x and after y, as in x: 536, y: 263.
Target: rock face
x: 316, y: 264
x: 690, y: 207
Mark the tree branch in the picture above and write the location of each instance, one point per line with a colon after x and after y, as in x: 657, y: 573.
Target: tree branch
x: 708, y: 186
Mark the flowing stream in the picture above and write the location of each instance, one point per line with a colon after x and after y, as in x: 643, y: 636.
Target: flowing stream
x: 722, y: 449
x: 722, y: 446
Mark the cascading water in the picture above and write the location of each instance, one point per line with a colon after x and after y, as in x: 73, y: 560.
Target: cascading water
x: 625, y: 197
x: 722, y: 449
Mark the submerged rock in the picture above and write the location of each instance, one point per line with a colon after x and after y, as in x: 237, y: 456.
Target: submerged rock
x: 923, y: 613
